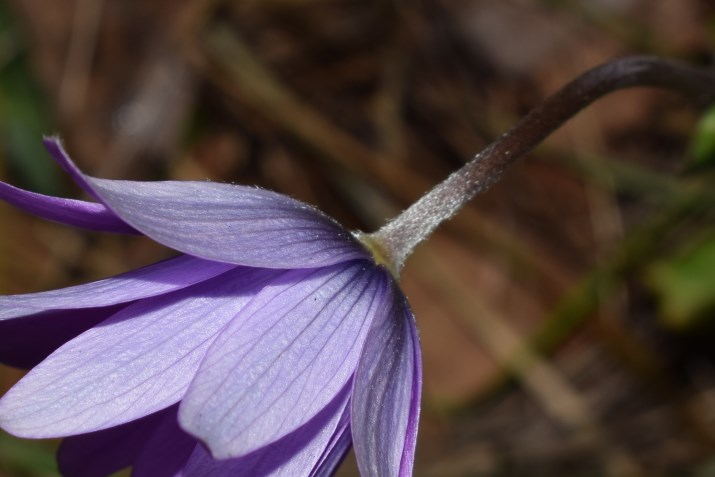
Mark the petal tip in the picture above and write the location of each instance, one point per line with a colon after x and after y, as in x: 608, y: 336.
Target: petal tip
x: 188, y: 424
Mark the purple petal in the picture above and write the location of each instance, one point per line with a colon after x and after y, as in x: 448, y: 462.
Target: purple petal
x: 34, y: 325
x: 53, y: 144
x: 386, y: 395
x: 156, y: 279
x: 76, y: 213
x: 223, y: 222
x: 165, y: 454
x: 105, y: 452
x: 336, y: 450
x: 294, y: 454
x: 230, y: 223
x: 27, y: 341
x: 283, y: 358
x: 139, y: 361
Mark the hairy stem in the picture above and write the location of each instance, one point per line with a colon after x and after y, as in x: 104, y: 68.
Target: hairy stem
x: 398, y: 238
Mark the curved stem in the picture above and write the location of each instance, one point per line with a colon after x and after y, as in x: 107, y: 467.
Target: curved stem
x: 397, y: 239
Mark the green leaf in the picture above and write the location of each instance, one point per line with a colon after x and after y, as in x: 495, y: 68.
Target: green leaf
x: 685, y: 286
x: 702, y: 145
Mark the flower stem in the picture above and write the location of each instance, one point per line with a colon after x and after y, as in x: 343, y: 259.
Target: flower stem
x: 398, y: 238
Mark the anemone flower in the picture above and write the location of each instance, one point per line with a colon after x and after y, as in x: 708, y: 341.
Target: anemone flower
x: 268, y: 347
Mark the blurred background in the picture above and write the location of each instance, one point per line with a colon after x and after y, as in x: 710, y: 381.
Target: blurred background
x: 567, y: 316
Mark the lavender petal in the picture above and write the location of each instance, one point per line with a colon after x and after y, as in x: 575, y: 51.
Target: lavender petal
x: 386, y: 395
x: 336, y: 450
x: 230, y: 223
x: 34, y: 325
x: 102, y: 453
x: 284, y: 357
x: 156, y: 279
x: 27, y: 341
x: 76, y: 213
x: 289, y: 456
x: 140, y: 360
x: 53, y: 145
x: 166, y: 452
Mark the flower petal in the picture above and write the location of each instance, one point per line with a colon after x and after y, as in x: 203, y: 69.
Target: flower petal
x: 167, y: 450
x: 230, y: 223
x: 53, y: 145
x: 294, y: 454
x: 335, y: 452
x: 386, y: 395
x: 102, y: 453
x: 283, y: 358
x: 156, y: 279
x: 76, y: 213
x: 28, y: 341
x: 139, y: 361
x: 34, y: 325
x: 223, y: 222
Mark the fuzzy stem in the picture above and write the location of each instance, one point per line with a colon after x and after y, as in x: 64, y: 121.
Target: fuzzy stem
x: 398, y: 238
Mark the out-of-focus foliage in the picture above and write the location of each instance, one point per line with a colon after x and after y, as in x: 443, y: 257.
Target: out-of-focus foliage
x: 685, y: 285
x: 24, y: 110
x: 25, y: 459
x: 703, y: 143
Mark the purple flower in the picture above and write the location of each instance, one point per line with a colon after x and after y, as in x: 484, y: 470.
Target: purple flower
x: 275, y: 341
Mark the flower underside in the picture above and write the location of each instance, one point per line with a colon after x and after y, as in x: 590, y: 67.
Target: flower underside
x: 273, y: 341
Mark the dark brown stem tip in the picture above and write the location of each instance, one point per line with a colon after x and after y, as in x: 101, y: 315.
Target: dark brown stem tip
x: 399, y: 237
x: 696, y: 83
